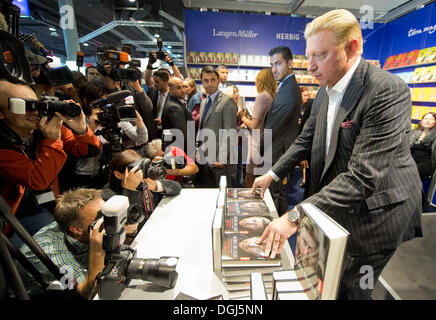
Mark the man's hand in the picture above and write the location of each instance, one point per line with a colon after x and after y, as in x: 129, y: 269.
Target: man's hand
x: 152, y: 57
x: 169, y: 60
x: 139, y: 121
x: 218, y: 165
x: 262, y: 182
x: 51, y: 129
x: 157, y: 121
x: 77, y: 124
x: 132, y: 178
x: 131, y: 228
x: 276, y: 233
x: 152, y: 184
x: 136, y: 86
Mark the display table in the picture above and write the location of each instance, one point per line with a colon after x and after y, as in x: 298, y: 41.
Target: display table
x: 181, y: 226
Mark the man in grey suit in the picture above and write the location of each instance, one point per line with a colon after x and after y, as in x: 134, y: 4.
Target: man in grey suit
x: 362, y: 173
x: 282, y: 117
x: 217, y: 112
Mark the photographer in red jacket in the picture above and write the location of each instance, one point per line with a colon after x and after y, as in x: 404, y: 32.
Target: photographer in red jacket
x: 32, y: 152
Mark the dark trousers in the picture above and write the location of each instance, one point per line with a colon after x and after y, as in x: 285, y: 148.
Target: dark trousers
x: 209, y: 177
x: 278, y: 195
x: 360, y: 275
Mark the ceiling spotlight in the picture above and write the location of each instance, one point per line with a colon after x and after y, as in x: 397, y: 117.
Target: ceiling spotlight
x: 52, y: 29
x: 132, y: 0
x: 85, y: 44
x: 169, y: 47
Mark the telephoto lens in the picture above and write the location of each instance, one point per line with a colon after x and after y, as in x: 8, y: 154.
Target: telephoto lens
x: 68, y: 109
x: 161, y: 272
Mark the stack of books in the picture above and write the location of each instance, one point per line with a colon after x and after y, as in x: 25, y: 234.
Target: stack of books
x: 246, y: 217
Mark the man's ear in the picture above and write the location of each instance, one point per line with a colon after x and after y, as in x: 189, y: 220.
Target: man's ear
x: 118, y: 175
x: 76, y: 230
x: 351, y: 48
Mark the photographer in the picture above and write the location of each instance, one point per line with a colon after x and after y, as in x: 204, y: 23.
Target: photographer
x: 33, y: 150
x: 71, y: 243
x: 153, y: 151
x: 152, y: 58
x: 143, y: 104
x: 89, y: 171
x: 145, y: 193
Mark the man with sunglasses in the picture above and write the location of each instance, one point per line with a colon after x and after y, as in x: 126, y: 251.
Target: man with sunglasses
x: 33, y: 150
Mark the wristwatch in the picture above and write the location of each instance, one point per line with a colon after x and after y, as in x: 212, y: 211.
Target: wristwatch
x: 293, y: 216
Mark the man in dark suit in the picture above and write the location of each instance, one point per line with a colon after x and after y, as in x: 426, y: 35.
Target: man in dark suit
x: 282, y: 118
x: 362, y: 173
x: 217, y: 114
x: 175, y: 115
x: 158, y: 96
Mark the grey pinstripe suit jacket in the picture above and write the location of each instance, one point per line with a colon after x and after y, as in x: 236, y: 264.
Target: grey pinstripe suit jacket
x: 369, y: 182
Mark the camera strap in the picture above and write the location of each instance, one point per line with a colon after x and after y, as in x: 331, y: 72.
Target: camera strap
x: 148, y: 204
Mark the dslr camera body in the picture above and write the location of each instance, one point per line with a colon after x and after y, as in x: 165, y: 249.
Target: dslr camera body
x: 121, y: 264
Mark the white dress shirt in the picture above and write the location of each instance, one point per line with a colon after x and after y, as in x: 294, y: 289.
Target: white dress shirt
x: 336, y: 93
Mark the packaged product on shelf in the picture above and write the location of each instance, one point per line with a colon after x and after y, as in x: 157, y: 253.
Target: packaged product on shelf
x: 243, y: 59
x: 306, y: 77
x: 250, y: 60
x: 305, y: 62
x: 417, y: 74
x: 422, y: 55
x: 411, y: 57
x: 192, y: 57
x: 298, y: 75
x: 265, y: 61
x: 389, y: 62
x: 297, y: 61
x: 201, y: 58
x: 428, y: 74
x: 235, y: 58
x: 257, y: 60
x: 210, y: 58
x: 431, y: 56
x: 227, y: 58
x: 400, y: 60
x: 193, y: 73
x: 219, y: 57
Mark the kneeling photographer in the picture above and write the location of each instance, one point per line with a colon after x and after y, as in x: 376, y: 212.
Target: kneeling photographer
x: 74, y: 242
x: 109, y: 118
x: 141, y: 181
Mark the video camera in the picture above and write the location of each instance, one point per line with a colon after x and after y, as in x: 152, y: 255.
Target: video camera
x: 47, y: 106
x: 116, y: 59
x: 121, y: 264
x: 116, y: 107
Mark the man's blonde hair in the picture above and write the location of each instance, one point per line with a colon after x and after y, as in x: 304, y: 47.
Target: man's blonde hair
x: 342, y: 22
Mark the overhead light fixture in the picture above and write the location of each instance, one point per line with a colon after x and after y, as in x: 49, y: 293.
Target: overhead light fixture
x: 85, y: 44
x: 132, y: 0
x: 52, y: 29
x: 169, y: 47
x: 156, y: 35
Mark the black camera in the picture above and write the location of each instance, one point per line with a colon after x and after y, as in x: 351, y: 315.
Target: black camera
x: 121, y: 265
x: 47, y: 106
x: 116, y: 107
x: 115, y: 59
x: 14, y: 66
x: 152, y: 170
x: 160, y: 53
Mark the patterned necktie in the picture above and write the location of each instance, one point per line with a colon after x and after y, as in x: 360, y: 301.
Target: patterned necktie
x: 206, y: 109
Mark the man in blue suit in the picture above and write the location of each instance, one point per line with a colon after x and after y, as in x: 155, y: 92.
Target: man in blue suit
x: 282, y: 117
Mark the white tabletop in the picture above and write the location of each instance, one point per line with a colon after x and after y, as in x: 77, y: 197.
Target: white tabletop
x: 181, y: 226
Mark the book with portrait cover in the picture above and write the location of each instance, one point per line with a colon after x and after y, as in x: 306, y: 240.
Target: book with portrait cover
x: 236, y: 194
x: 247, y: 208
x: 389, y: 63
x: 319, y: 252
x: 192, y: 57
x: 252, y: 225
x: 431, y: 56
x: 241, y: 250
